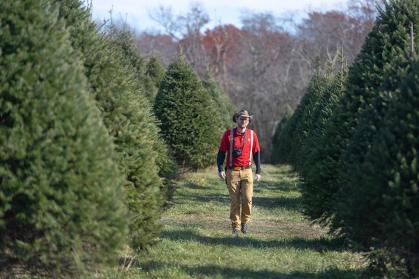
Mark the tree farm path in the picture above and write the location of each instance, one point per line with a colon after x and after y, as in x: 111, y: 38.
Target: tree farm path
x: 196, y: 240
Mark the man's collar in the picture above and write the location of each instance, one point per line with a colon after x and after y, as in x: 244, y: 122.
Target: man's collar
x: 238, y: 131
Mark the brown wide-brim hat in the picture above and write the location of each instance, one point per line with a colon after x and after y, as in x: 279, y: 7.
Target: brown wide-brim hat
x: 242, y: 113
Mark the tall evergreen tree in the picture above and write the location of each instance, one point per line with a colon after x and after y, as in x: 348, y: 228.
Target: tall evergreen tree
x: 123, y: 40
x: 371, y: 208
x: 128, y: 117
x: 60, y: 189
x: 147, y: 73
x: 187, y: 117
x: 382, y: 50
x: 388, y: 188
x: 395, y: 20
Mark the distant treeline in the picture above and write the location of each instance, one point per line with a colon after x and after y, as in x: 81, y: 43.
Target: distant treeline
x: 354, y: 138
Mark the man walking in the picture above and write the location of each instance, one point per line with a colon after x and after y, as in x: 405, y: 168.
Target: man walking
x: 241, y: 145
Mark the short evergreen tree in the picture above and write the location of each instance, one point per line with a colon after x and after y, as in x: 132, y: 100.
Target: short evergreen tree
x: 380, y: 53
x: 60, y: 206
x: 313, y: 172
x: 154, y: 74
x: 155, y: 70
x: 284, y: 145
x: 221, y: 101
x: 187, y: 116
x: 306, y: 126
x: 276, y: 140
x: 291, y: 140
x: 333, y: 89
x: 128, y: 117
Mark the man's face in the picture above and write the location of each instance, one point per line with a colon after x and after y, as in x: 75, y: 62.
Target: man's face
x: 242, y: 122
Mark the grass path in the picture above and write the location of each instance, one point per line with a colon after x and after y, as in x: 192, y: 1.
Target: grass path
x: 196, y: 241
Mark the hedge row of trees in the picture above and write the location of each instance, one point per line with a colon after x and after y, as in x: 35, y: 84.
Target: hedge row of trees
x: 355, y: 138
x: 85, y: 166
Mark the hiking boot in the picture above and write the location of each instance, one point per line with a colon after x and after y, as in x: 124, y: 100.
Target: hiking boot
x: 244, y: 228
x: 235, y: 231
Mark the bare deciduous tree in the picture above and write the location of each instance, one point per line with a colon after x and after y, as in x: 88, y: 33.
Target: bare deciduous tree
x: 262, y: 66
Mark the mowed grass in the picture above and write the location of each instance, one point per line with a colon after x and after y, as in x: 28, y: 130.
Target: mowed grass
x: 196, y: 240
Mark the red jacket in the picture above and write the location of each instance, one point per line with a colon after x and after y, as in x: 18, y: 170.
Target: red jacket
x: 244, y: 159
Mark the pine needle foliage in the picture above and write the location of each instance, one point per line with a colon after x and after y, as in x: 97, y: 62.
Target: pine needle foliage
x: 123, y: 40
x: 154, y: 73
x: 313, y: 168
x: 361, y: 176
x: 221, y: 101
x: 380, y: 58
x: 188, y: 118
x: 394, y: 27
x: 276, y: 140
x: 373, y: 210
x: 389, y: 185
x: 305, y: 126
x: 61, y: 211
x: 128, y: 117
x: 291, y: 139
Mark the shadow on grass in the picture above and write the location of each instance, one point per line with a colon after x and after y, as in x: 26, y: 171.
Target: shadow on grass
x: 319, y: 245
x: 277, y: 185
x: 208, y: 183
x: 229, y: 272
x: 290, y: 203
x: 282, y: 169
x: 205, y: 198
x: 195, y: 186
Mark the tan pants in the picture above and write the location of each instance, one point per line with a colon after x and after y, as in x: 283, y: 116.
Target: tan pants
x: 240, y: 185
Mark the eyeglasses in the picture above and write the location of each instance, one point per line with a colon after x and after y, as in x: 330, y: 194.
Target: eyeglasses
x: 243, y: 118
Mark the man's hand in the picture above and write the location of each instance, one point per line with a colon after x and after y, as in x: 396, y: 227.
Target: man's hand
x: 258, y: 177
x: 222, y: 174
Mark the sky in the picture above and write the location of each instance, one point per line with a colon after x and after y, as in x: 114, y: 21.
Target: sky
x: 137, y: 12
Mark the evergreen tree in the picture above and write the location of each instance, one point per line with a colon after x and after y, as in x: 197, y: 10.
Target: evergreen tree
x: 148, y: 73
x: 351, y: 214
x: 305, y: 127
x: 187, y: 117
x: 316, y: 145
x: 276, y: 141
x: 389, y: 185
x: 283, y: 140
x: 373, y: 210
x: 380, y: 53
x: 291, y: 140
x: 60, y: 189
x: 128, y: 117
x: 221, y: 101
x: 124, y: 41
x: 154, y: 74
x: 286, y: 145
